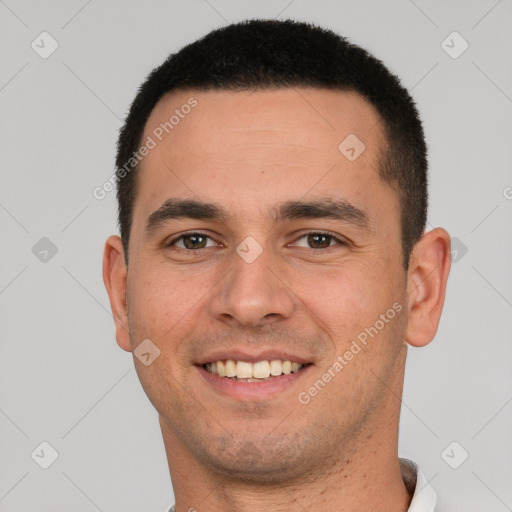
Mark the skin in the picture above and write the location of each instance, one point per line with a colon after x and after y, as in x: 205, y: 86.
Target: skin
x: 249, y: 151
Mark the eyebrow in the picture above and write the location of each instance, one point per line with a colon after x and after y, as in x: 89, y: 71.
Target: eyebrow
x: 341, y: 210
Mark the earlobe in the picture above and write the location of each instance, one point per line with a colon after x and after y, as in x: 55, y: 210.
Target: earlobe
x: 427, y: 278
x: 115, y: 279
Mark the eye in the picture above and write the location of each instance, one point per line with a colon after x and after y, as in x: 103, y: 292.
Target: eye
x: 192, y: 241
x: 318, y: 240
x: 195, y: 241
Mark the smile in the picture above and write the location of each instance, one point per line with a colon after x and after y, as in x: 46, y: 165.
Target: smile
x: 259, y: 371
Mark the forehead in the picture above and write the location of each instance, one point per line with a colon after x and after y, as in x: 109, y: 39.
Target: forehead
x: 306, y: 117
x: 269, y: 145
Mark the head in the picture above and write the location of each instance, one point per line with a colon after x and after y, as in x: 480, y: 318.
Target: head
x: 267, y: 55
x: 277, y: 212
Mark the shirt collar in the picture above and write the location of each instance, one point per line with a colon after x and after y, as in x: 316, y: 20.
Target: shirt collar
x: 424, y: 497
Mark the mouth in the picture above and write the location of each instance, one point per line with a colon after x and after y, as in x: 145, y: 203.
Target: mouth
x: 260, y: 371
x: 256, y: 380
x: 267, y: 374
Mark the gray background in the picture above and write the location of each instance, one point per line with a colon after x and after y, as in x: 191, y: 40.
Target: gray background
x: 63, y: 378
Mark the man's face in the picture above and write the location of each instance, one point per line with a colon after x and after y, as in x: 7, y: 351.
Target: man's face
x: 256, y: 287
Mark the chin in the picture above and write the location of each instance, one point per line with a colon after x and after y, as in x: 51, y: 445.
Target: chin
x: 270, y: 472
x: 256, y: 462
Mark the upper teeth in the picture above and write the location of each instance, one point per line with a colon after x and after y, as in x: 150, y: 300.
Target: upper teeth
x: 259, y: 370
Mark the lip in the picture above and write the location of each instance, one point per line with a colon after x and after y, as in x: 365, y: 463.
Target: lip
x: 266, y: 355
x: 253, y: 391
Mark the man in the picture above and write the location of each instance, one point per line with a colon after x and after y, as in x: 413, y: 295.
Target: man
x: 272, y: 267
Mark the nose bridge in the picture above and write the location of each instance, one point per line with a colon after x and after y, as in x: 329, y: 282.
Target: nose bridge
x: 253, y: 292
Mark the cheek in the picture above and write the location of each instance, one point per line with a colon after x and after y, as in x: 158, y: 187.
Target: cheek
x: 349, y: 296
x: 160, y: 300
x: 347, y: 304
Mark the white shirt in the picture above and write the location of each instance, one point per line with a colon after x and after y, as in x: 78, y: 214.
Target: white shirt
x: 424, y: 497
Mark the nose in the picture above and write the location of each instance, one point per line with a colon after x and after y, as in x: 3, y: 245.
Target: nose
x: 253, y: 293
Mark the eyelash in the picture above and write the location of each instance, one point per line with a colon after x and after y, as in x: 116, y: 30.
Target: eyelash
x: 194, y: 233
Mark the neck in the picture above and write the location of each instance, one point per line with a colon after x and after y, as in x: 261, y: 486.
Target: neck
x: 348, y: 486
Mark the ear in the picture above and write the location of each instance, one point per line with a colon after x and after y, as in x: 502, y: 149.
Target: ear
x: 429, y: 267
x: 114, y: 277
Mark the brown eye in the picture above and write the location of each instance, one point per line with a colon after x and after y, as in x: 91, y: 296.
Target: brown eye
x: 191, y: 241
x: 320, y: 240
